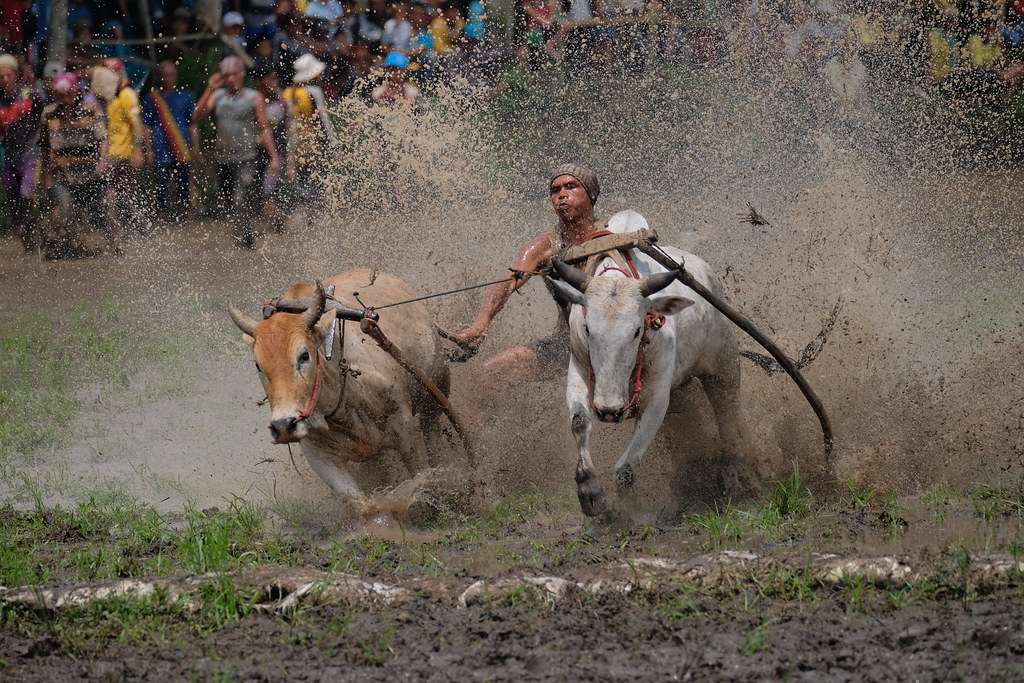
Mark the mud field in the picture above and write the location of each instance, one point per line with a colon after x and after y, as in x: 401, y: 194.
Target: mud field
x: 130, y: 399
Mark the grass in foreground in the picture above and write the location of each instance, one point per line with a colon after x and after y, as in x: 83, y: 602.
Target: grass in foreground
x: 109, y: 537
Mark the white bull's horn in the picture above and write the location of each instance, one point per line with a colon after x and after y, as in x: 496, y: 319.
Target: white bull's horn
x: 657, y: 282
x: 573, y: 276
x: 313, y: 313
x: 244, y: 322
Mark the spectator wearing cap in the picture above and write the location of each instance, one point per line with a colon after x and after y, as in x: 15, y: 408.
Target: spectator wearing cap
x: 232, y: 41
x: 396, y: 87
x: 241, y: 122
x: 573, y: 190
x: 73, y: 147
x: 125, y: 144
x: 172, y: 140
x: 330, y: 11
x: 20, y: 136
x: 311, y: 133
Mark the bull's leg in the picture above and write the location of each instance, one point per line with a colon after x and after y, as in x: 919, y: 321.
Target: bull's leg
x: 430, y: 426
x: 723, y: 392
x: 410, y: 443
x: 588, y: 487
x: 337, y: 477
x: 648, y: 422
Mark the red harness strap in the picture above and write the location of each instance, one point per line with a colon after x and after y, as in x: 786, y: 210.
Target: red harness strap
x: 652, y: 323
x: 626, y: 252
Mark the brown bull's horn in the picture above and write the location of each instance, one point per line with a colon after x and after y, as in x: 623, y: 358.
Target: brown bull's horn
x: 656, y: 282
x: 244, y: 322
x: 313, y: 313
x: 574, y: 276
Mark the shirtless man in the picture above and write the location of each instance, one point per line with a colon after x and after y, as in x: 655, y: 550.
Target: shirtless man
x: 574, y: 190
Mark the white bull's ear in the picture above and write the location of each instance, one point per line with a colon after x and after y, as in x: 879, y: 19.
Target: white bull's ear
x: 669, y: 305
x: 567, y: 291
x: 323, y: 325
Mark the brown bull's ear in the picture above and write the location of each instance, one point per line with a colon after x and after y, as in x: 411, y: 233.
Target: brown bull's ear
x: 323, y: 325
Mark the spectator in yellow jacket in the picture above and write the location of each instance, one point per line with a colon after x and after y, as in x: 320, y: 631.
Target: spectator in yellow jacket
x: 310, y: 130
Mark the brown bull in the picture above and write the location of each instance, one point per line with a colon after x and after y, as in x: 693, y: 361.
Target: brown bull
x: 360, y: 402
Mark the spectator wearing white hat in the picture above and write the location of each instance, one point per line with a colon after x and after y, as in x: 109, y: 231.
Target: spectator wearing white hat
x: 234, y: 25
x: 311, y: 131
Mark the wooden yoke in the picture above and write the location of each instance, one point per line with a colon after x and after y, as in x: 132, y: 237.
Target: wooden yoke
x: 615, y: 245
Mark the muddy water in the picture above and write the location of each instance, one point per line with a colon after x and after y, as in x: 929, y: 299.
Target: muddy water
x: 920, y: 375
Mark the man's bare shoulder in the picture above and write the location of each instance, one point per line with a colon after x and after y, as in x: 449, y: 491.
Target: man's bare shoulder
x: 535, y: 252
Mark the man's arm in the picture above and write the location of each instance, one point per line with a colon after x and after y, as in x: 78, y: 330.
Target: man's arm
x: 19, y: 110
x: 532, y: 256
x: 205, y: 105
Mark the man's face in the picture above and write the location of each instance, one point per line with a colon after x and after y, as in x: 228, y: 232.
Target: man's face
x: 168, y: 76
x: 234, y: 80
x: 66, y: 98
x: 569, y: 198
x: 8, y: 80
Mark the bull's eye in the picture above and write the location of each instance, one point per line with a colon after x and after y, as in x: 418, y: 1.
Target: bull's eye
x: 637, y: 333
x: 258, y: 368
x: 586, y: 329
x: 304, y: 357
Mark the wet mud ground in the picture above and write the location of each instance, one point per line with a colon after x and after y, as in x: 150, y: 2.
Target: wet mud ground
x: 841, y: 593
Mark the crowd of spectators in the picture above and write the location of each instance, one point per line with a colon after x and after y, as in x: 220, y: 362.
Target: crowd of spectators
x: 117, y: 129
x: 109, y: 138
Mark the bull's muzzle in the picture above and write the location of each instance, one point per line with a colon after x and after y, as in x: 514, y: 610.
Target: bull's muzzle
x: 609, y: 415
x: 285, y: 430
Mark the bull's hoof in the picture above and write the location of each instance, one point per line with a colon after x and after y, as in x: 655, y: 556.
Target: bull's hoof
x: 591, y: 495
x: 424, y: 513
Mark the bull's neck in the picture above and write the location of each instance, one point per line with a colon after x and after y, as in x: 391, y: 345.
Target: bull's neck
x: 332, y: 385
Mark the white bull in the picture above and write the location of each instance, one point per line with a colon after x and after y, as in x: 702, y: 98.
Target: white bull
x: 607, y: 325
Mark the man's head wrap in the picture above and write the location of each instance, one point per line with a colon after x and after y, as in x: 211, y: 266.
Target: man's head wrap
x: 65, y: 83
x: 583, y: 174
x: 232, y: 64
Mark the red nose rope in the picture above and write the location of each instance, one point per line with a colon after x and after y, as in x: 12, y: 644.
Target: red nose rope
x: 652, y: 322
x: 304, y: 415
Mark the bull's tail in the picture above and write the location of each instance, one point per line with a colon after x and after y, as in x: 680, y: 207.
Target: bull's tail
x: 809, y: 353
